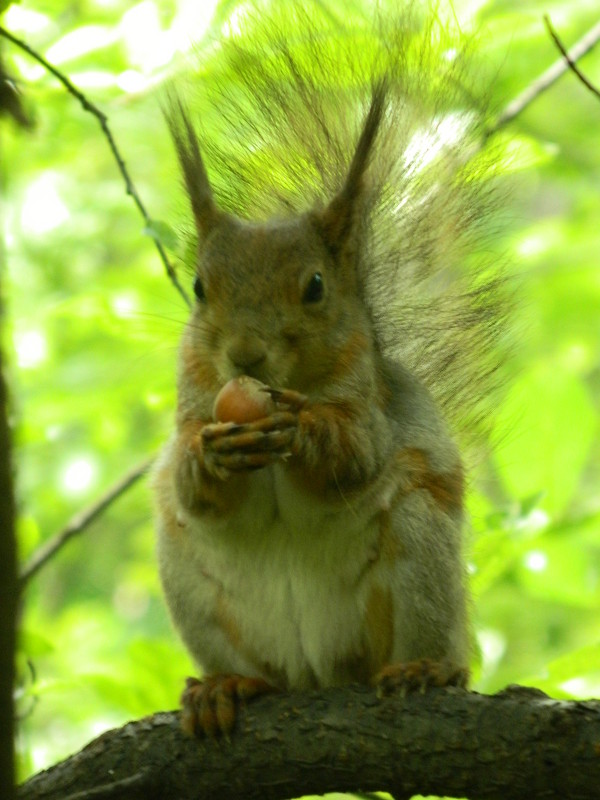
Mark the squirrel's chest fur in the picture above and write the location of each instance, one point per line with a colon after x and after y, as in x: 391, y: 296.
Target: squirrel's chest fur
x: 277, y: 588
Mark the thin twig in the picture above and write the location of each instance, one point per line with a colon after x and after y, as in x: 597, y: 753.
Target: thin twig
x: 103, y: 121
x: 568, y: 58
x: 80, y: 522
x: 546, y: 79
x: 84, y: 518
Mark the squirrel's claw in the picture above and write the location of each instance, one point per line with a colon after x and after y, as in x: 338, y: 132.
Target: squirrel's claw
x: 419, y: 675
x: 209, y: 706
x: 230, y: 447
x: 287, y: 397
x: 249, y: 435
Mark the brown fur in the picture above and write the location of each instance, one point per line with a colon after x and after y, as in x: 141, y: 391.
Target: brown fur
x: 446, y: 489
x: 322, y: 542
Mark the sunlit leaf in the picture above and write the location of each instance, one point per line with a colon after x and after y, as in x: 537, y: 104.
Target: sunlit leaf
x: 163, y: 233
x: 550, y: 422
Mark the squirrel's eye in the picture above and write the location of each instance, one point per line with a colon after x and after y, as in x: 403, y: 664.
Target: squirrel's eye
x: 314, y: 289
x: 199, y: 289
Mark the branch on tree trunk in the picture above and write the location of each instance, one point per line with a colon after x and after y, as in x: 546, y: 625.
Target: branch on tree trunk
x: 517, y: 744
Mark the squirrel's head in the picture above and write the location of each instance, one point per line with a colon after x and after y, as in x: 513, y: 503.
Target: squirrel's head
x: 280, y: 301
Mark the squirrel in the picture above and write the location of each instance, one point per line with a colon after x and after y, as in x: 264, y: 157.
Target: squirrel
x: 322, y: 543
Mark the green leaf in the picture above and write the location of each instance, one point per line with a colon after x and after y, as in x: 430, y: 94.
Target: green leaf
x: 548, y: 424
x: 34, y: 644
x: 563, y: 570
x: 163, y: 233
x: 583, y: 661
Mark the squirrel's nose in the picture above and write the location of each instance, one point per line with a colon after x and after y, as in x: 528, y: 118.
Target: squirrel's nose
x: 247, y: 352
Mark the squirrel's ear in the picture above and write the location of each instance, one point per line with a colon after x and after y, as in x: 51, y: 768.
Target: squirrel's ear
x: 206, y: 213
x: 337, y: 221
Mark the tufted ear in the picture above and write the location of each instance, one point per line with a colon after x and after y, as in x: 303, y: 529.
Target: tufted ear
x: 206, y: 214
x: 337, y: 222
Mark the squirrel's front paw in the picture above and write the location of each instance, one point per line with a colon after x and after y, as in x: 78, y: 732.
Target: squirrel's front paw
x: 287, y: 397
x: 230, y: 448
x: 209, y: 705
x: 420, y: 675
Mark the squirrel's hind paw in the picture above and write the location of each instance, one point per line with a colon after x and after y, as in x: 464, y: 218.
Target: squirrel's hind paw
x: 419, y: 675
x: 209, y: 706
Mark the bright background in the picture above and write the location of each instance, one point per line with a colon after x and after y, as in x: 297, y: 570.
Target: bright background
x: 93, y: 325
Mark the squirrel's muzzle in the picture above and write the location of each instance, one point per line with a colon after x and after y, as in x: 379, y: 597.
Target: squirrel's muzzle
x: 247, y: 353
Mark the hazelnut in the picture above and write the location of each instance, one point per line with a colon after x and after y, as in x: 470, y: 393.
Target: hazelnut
x: 242, y: 399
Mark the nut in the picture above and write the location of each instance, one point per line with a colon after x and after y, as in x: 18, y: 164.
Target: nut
x: 242, y: 399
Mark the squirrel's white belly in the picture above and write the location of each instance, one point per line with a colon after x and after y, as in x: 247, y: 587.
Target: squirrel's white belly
x: 270, y: 593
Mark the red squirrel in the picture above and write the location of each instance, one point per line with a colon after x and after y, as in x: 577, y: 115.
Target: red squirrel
x: 318, y: 541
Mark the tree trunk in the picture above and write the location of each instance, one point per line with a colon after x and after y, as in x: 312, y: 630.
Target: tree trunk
x: 8, y: 593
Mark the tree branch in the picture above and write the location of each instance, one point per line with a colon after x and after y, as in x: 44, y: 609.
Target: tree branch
x: 80, y: 522
x: 572, y: 65
x: 103, y: 121
x: 546, y: 79
x: 517, y: 744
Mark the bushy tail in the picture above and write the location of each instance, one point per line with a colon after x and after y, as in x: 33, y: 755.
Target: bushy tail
x: 282, y: 97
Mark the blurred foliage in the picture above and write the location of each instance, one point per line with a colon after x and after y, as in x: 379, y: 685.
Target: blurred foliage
x: 93, y: 325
